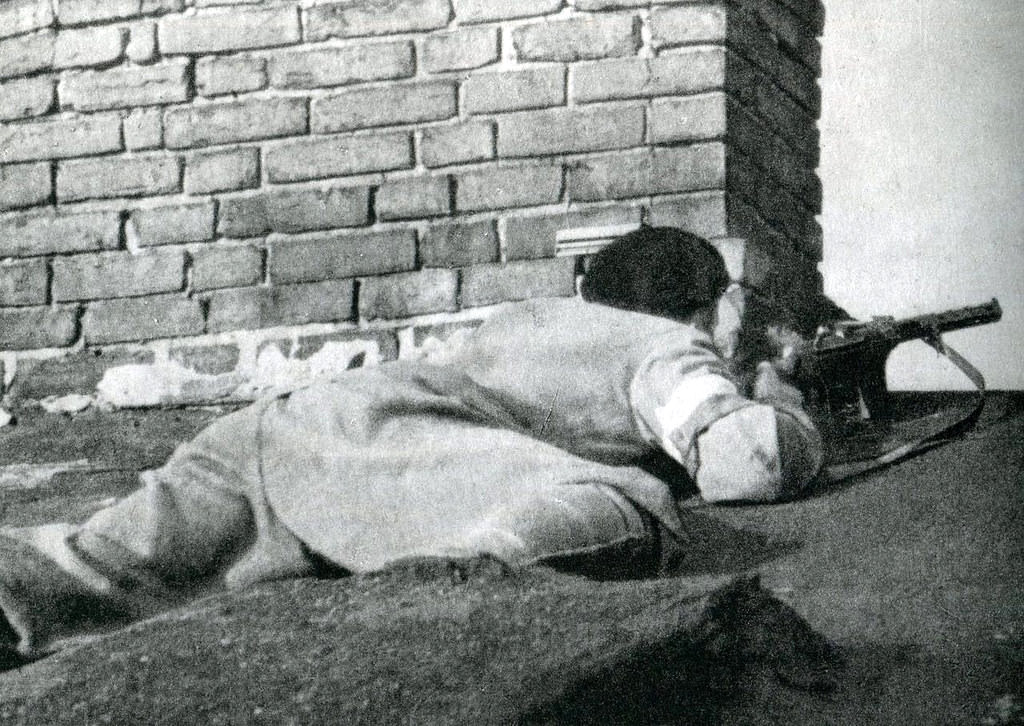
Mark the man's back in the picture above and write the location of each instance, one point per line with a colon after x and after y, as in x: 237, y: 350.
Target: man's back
x: 388, y: 461
x: 566, y: 369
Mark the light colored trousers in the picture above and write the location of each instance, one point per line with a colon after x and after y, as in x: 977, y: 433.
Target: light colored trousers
x: 201, y: 524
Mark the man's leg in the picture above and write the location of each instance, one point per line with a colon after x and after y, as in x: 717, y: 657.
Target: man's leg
x: 590, y: 529
x: 198, y: 525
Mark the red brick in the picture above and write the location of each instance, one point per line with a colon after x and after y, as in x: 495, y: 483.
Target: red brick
x: 60, y: 137
x: 744, y: 221
x: 515, y: 90
x: 508, y: 186
x: 26, y: 97
x: 222, y: 170
x: 320, y: 158
x: 141, y: 318
x: 457, y: 143
x: 383, y: 106
x: 702, y: 213
x: 321, y: 256
x: 209, y: 360
x: 349, y: 19
x: 265, y: 307
x: 689, y: 24
x: 810, y: 11
x: 459, y: 50
x: 756, y: 139
x: 753, y: 40
x: 23, y: 282
x: 78, y: 372
x: 82, y: 12
x: 24, y: 185
x: 243, y: 216
x: 637, y: 174
x: 23, y: 16
x: 567, y: 131
x: 688, y: 71
x: 141, y: 46
x: 294, y: 210
x: 342, y: 66
x: 84, y: 47
x: 414, y: 197
x: 534, y: 237
x: 144, y: 129
x: 479, y: 11
x: 117, y: 274
x: 126, y: 87
x: 26, y: 54
x: 747, y: 84
x: 37, y: 327
x: 25, y: 235
x: 175, y: 223
x: 813, y: 243
x: 779, y: 207
x: 117, y: 176
x: 235, y: 30
x: 408, y: 294
x: 219, y: 75
x: 490, y: 284
x: 458, y: 244
x: 689, y: 118
x: 222, y: 123
x: 220, y: 266
x: 792, y: 31
x: 580, y: 38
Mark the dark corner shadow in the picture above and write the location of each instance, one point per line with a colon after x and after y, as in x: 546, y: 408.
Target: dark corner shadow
x: 934, y: 419
x: 805, y: 681
x: 848, y: 474
x: 743, y: 648
x: 710, y: 548
x: 760, y: 663
x: 716, y: 548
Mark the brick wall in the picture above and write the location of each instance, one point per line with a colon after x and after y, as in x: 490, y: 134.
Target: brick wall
x: 201, y: 199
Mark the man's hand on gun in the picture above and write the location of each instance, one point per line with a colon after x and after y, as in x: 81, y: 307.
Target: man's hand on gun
x: 773, y: 381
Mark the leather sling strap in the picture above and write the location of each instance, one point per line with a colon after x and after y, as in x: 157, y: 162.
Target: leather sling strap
x: 845, y: 470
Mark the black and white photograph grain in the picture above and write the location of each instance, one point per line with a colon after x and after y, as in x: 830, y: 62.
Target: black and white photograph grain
x: 511, y: 362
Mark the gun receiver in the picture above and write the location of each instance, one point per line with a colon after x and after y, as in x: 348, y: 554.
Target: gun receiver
x: 845, y: 364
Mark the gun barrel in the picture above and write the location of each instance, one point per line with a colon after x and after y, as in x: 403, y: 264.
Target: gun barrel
x: 883, y: 334
x: 956, y: 319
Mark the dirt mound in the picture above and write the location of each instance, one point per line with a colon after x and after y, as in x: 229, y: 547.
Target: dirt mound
x: 435, y: 642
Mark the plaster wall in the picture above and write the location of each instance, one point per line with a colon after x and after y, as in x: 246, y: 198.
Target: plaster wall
x: 922, y: 164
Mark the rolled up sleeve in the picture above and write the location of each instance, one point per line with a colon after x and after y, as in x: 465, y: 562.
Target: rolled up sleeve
x: 757, y: 454
x: 734, y: 449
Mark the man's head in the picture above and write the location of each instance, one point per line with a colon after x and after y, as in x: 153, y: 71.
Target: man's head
x: 660, y: 271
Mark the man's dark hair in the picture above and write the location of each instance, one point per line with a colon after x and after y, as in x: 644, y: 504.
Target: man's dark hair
x: 657, y: 270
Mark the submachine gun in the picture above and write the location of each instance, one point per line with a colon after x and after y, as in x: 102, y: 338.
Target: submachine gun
x: 842, y: 374
x: 845, y: 363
